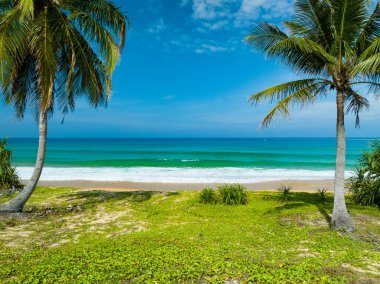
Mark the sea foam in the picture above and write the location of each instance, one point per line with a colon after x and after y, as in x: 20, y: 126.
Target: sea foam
x: 177, y: 175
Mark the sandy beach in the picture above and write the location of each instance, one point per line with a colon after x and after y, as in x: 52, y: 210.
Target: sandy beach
x: 298, y: 185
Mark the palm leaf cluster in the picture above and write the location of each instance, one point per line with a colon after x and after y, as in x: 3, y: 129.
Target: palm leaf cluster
x: 335, y: 43
x: 54, y: 51
x: 8, y: 175
x: 365, y: 184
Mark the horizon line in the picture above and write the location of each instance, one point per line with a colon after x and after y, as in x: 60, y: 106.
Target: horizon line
x: 277, y: 137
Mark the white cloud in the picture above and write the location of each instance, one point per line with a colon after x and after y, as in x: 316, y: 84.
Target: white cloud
x: 218, y: 14
x: 211, y: 9
x: 210, y: 48
x: 255, y: 9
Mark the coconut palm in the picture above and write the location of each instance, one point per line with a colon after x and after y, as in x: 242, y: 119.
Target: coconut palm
x: 335, y: 45
x: 53, y: 52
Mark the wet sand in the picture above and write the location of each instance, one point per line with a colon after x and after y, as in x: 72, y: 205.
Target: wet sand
x: 298, y: 185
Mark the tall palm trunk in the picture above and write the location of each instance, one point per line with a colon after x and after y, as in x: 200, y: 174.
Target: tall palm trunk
x: 340, y: 218
x: 17, y: 204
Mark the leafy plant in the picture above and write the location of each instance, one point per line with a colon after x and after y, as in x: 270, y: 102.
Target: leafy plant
x: 233, y: 194
x: 365, y: 184
x: 322, y: 194
x: 208, y: 196
x: 8, y: 175
x: 284, y: 193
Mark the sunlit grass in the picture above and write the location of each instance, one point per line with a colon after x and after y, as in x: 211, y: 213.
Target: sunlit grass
x: 71, y: 236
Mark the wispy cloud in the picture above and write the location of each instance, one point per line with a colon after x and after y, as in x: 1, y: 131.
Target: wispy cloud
x: 157, y: 27
x: 203, y: 48
x: 218, y: 14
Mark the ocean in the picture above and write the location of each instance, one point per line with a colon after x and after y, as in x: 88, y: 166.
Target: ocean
x: 186, y: 160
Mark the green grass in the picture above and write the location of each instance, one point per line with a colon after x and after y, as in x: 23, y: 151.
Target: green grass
x: 69, y: 236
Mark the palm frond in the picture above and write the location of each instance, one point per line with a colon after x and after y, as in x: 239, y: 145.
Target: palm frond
x: 302, y: 55
x: 45, y: 48
x: 356, y: 104
x: 372, y: 84
x: 301, y: 93
x: 316, y: 17
x: 369, y: 66
x: 263, y: 36
x: 279, y: 92
x: 297, y: 29
x: 370, y: 32
x: 109, y: 49
x: 350, y: 17
x: 27, y: 8
x: 104, y: 12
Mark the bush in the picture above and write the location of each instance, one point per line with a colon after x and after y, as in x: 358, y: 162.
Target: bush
x: 284, y: 193
x: 208, y: 196
x: 322, y: 195
x: 233, y: 194
x: 365, y: 184
x: 9, y: 178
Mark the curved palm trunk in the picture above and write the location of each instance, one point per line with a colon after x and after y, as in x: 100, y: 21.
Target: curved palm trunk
x: 17, y: 204
x: 340, y: 218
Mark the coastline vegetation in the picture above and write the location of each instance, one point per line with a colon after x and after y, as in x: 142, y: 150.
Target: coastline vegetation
x: 365, y: 184
x: 9, y: 179
x: 69, y: 235
x: 228, y: 194
x: 285, y: 193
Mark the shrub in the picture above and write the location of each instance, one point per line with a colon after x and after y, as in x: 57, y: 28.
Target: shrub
x: 365, y: 184
x: 233, y: 194
x: 284, y: 193
x: 8, y: 175
x: 208, y: 196
x: 322, y: 194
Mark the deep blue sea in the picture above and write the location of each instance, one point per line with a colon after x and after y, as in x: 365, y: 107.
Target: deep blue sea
x: 186, y: 160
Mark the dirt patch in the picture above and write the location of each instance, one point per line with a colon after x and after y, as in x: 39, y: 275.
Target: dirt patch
x: 71, y: 227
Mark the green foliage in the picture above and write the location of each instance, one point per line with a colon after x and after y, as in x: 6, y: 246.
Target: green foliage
x: 233, y: 194
x: 8, y: 175
x: 208, y: 196
x: 365, y: 184
x: 228, y: 194
x: 175, y: 239
x: 322, y: 194
x: 284, y: 193
x: 52, y: 52
x: 335, y: 44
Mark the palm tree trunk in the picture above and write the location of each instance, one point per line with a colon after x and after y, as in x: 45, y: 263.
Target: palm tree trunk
x: 17, y: 204
x: 340, y: 218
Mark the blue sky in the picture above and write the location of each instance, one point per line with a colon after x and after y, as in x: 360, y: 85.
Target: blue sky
x: 186, y: 72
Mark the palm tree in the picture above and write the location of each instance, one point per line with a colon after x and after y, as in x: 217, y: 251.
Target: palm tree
x: 51, y: 53
x: 335, y: 44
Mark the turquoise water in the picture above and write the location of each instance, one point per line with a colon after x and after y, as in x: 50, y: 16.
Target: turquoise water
x: 188, y: 160
x: 198, y: 153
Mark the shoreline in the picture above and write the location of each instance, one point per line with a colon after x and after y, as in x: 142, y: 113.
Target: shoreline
x: 298, y: 185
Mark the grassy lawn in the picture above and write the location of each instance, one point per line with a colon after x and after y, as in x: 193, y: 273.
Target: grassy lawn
x: 72, y: 236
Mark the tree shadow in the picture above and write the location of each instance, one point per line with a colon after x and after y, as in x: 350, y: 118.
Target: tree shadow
x: 83, y: 200
x: 299, y: 199
x: 97, y: 196
x: 324, y: 213
x: 288, y: 206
